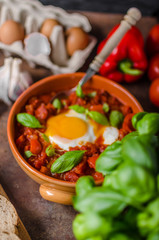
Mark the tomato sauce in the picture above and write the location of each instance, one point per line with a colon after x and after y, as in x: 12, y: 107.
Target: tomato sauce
x: 29, y: 139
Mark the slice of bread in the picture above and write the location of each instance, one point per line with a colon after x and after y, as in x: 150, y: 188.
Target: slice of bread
x: 8, y: 216
x: 8, y: 236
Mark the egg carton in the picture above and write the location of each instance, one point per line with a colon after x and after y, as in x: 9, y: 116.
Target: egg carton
x: 31, y: 14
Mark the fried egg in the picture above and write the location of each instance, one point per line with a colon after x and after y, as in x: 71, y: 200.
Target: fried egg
x: 71, y: 129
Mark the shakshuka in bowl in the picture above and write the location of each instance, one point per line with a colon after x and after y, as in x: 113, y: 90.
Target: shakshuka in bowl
x: 56, y: 141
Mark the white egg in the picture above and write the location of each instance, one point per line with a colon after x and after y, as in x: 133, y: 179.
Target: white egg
x: 69, y: 129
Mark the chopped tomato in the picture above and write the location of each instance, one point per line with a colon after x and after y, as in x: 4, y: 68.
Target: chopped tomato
x: 97, y: 176
x: 127, y: 124
x: 92, y: 160
x: 71, y: 176
x: 41, y: 112
x: 97, y: 108
x: 35, y: 146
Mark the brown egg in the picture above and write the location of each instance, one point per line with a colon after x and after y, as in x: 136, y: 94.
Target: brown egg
x: 76, y: 39
x: 11, y: 31
x: 47, y: 27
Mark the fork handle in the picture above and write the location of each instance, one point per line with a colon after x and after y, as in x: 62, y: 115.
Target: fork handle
x: 133, y: 15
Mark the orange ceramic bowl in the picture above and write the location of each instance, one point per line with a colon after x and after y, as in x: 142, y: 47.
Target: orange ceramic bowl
x: 50, y: 188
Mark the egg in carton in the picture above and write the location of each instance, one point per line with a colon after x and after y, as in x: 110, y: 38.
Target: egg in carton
x: 37, y: 49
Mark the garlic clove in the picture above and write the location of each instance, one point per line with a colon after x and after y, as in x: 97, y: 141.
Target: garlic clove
x: 36, y: 44
x: 5, y: 72
x: 19, y: 80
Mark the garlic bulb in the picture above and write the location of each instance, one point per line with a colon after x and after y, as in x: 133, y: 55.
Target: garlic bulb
x: 13, y: 81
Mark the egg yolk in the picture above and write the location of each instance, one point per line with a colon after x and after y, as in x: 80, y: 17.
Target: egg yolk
x: 66, y: 127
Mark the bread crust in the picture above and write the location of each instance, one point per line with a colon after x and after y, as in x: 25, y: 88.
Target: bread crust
x: 8, y: 216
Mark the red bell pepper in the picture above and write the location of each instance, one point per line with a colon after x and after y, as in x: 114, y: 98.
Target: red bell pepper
x: 127, y: 62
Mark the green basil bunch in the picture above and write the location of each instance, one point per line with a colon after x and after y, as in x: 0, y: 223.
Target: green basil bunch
x: 128, y: 198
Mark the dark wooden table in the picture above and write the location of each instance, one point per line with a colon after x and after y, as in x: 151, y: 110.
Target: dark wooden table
x: 46, y: 220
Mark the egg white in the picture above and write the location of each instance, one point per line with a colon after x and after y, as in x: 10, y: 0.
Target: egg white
x: 110, y: 135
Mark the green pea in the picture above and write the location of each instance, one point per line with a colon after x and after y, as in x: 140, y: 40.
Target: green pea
x: 57, y: 103
x: 116, y: 118
x: 106, y: 107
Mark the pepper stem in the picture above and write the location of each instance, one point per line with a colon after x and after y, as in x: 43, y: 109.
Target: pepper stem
x: 126, y: 65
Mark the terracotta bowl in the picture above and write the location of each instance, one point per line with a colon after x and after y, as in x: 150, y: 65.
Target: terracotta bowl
x: 50, y: 188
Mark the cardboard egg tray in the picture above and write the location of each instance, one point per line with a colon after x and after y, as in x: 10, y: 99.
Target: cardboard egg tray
x: 31, y: 14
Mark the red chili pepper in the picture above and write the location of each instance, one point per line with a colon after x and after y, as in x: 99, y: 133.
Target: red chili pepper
x: 128, y: 61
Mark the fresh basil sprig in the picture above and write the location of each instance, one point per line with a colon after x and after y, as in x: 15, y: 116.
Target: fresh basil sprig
x: 28, y: 120
x: 98, y: 117
x: 67, y: 161
x: 50, y: 151
x: 28, y: 154
x: 77, y: 108
x: 79, y: 91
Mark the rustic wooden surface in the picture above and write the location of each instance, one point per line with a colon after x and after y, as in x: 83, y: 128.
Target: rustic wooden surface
x: 46, y: 220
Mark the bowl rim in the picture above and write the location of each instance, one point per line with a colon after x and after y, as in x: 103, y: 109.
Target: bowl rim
x: 11, y: 140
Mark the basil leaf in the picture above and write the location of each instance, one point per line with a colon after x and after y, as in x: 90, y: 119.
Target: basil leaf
x: 137, y: 117
x: 98, y: 117
x: 116, y: 118
x: 77, y: 108
x: 148, y: 220
x: 50, y: 151
x: 67, y: 161
x: 106, y: 107
x: 149, y: 124
x: 57, y: 103
x: 109, y: 159
x: 92, y: 94
x: 28, y: 120
x: 79, y: 91
x: 101, y: 200
x: 91, y: 226
x: 139, y: 151
x: 28, y: 154
x: 84, y: 184
x: 45, y: 137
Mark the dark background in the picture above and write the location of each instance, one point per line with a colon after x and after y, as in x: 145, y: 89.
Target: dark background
x: 147, y: 7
